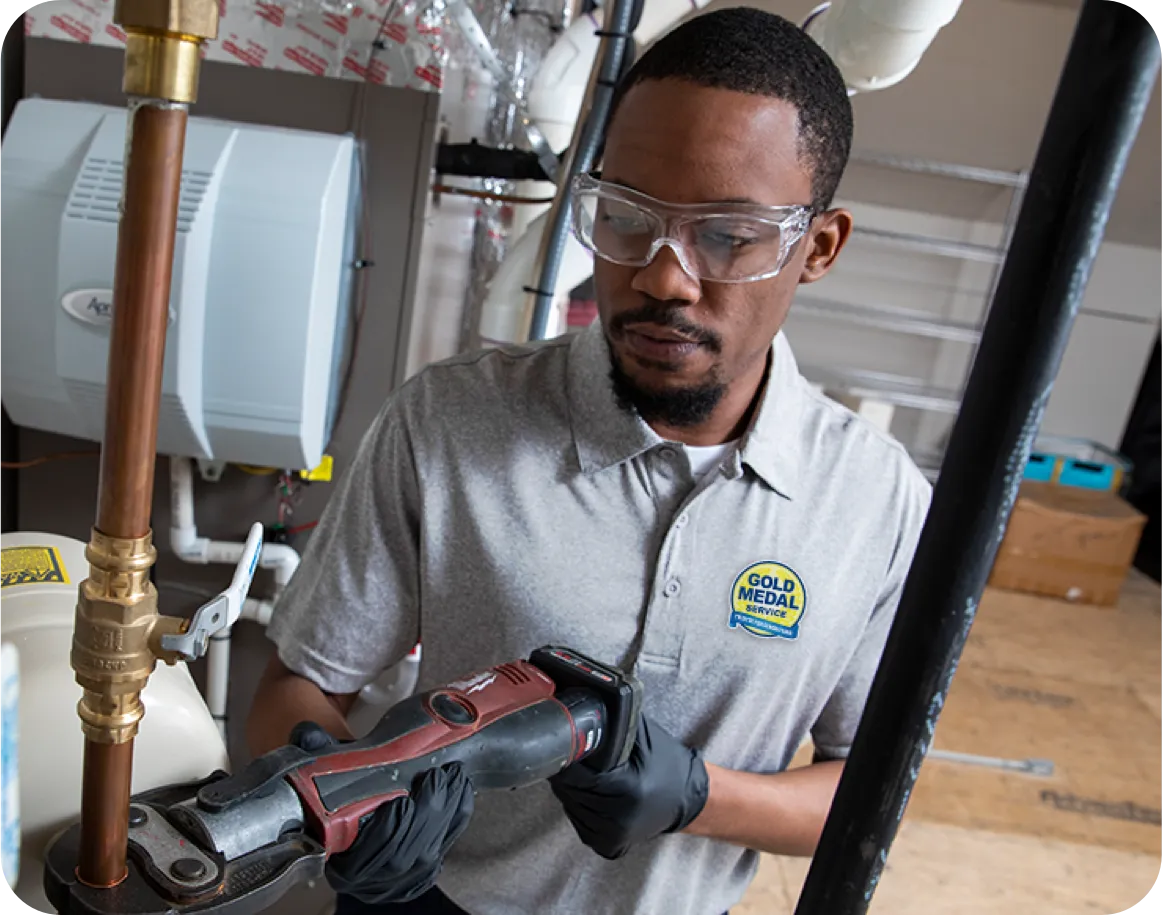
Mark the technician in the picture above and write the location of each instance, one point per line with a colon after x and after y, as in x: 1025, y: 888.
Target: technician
x: 662, y: 491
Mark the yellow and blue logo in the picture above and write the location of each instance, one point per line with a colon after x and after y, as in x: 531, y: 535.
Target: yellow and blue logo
x: 768, y: 600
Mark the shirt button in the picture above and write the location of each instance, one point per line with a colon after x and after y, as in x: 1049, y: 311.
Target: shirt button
x: 671, y: 588
x: 681, y: 521
x: 667, y: 453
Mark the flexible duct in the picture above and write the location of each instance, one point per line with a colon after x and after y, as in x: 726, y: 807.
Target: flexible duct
x: 509, y: 41
x: 616, y: 38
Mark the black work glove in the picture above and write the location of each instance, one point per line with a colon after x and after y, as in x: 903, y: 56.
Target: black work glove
x: 661, y: 788
x: 401, y: 846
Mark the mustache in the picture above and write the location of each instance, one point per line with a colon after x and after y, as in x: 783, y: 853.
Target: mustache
x: 664, y: 314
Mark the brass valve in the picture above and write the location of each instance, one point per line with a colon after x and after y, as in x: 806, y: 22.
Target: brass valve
x: 117, y: 636
x: 163, y: 48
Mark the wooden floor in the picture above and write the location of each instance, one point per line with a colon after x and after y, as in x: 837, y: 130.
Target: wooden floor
x: 1079, y: 686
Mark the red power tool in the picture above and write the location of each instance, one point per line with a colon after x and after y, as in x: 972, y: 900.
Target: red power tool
x: 236, y: 844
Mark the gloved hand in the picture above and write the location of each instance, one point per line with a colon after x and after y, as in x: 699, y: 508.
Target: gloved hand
x: 401, y: 846
x: 661, y: 788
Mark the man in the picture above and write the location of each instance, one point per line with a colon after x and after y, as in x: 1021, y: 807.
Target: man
x: 663, y: 492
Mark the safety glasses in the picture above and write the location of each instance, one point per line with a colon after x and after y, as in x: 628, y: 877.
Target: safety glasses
x: 717, y: 242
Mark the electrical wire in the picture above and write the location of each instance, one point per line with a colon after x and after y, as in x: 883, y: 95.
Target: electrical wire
x: 46, y: 458
x: 488, y: 195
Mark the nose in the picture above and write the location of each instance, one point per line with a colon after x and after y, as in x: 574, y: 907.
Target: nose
x: 665, y: 279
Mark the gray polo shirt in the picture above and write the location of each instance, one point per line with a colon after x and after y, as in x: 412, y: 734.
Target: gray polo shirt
x: 502, y: 501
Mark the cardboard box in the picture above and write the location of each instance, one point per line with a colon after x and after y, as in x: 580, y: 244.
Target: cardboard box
x: 1071, y: 543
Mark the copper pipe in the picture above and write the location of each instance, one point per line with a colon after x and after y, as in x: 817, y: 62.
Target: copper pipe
x: 141, y: 302
x: 117, y: 630
x: 141, y: 297
x: 105, y: 812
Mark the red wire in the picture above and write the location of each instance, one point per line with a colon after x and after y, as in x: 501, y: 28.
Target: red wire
x: 300, y: 528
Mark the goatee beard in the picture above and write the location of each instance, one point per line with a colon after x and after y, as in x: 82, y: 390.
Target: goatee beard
x: 679, y: 408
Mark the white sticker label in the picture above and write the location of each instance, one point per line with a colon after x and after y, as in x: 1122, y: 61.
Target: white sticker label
x: 474, y: 684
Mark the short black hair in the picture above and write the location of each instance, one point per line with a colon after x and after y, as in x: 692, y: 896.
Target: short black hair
x: 749, y: 50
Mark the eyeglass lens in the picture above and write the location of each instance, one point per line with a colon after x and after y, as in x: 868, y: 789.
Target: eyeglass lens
x: 723, y: 247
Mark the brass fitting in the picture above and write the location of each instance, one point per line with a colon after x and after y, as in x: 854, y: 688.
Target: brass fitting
x: 116, y: 634
x: 163, y: 47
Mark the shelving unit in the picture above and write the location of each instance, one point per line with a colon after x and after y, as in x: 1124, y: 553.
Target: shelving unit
x: 882, y: 395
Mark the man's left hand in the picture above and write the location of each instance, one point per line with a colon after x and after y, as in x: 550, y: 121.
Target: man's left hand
x: 660, y: 789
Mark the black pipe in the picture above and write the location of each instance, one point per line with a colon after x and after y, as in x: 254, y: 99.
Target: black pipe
x: 12, y: 78
x: 473, y: 160
x: 617, y: 31
x: 1104, y: 88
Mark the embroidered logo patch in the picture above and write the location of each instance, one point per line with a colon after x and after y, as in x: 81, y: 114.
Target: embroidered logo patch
x: 768, y: 600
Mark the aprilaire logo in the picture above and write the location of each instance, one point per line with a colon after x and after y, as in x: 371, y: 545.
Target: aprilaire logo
x: 94, y: 306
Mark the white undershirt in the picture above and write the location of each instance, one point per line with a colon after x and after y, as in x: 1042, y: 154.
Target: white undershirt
x: 706, y: 457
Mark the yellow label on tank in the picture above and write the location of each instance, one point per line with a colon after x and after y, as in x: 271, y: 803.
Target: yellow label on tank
x: 32, y: 565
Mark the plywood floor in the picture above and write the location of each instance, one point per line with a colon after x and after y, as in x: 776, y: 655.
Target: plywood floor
x: 1079, y: 686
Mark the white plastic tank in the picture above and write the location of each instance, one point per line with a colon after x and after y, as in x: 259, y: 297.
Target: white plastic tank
x: 177, y: 740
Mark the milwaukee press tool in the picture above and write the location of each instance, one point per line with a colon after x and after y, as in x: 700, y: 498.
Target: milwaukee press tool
x: 235, y: 844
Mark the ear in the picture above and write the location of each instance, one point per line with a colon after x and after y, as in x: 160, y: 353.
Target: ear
x: 827, y: 235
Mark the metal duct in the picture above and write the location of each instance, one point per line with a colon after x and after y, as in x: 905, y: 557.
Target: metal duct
x: 520, y: 33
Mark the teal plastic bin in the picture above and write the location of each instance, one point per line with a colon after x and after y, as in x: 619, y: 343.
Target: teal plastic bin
x: 1078, y: 462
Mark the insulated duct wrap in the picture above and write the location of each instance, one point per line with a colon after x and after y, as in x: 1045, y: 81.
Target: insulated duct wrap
x: 384, y: 42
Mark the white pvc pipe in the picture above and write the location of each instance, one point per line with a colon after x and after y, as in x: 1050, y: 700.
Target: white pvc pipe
x: 189, y: 547
x: 503, y: 314
x: 258, y: 611
x: 218, y: 678
x: 878, y: 43
x: 558, y: 88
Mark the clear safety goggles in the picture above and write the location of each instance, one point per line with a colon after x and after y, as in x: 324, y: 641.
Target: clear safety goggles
x: 718, y: 242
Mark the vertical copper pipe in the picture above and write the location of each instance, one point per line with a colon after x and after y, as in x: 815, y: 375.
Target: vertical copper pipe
x: 141, y: 298
x: 105, y: 812
x: 141, y: 301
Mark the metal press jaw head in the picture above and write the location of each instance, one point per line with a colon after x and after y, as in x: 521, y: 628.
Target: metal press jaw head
x: 714, y: 242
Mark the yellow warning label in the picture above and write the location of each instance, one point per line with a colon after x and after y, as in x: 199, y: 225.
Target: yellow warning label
x: 31, y: 565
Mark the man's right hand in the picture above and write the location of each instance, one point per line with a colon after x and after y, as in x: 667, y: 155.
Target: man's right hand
x: 401, y: 846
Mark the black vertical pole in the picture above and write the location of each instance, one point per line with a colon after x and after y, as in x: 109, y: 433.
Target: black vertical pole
x: 12, y: 81
x: 1104, y: 88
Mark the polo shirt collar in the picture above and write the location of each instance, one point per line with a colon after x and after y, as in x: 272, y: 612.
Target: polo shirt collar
x: 605, y: 434
x: 771, y: 446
